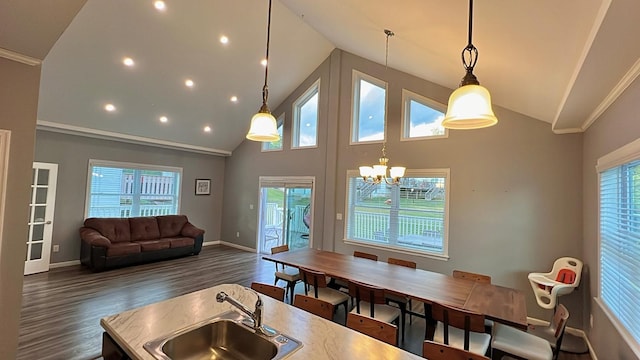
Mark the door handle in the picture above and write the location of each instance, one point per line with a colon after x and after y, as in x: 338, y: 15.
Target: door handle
x: 48, y: 222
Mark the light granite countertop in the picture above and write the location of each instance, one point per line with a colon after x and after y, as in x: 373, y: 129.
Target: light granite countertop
x: 322, y: 339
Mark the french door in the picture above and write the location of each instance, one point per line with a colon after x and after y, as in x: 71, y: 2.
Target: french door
x: 41, y: 209
x: 286, y: 212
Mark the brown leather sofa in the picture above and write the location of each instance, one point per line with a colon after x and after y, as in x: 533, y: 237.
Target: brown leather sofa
x: 115, y: 242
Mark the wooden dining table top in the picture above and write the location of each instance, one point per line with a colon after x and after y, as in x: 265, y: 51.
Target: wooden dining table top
x: 498, y: 303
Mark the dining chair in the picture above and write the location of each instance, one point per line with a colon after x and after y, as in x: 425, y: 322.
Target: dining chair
x: 402, y: 301
x: 435, y: 351
x: 285, y: 273
x: 364, y: 255
x: 371, y: 301
x: 377, y: 329
x: 315, y: 306
x: 317, y: 282
x: 269, y: 290
x: 510, y: 341
x: 479, y: 278
x: 460, y: 328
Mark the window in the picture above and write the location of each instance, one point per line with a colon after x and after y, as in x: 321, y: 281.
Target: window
x: 118, y: 189
x: 275, y: 145
x: 369, y: 108
x: 412, y: 217
x: 305, y: 118
x: 619, y: 238
x: 421, y: 117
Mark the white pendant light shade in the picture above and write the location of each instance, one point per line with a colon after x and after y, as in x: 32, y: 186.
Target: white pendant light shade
x: 469, y: 108
x: 397, y: 172
x: 366, y: 171
x: 263, y: 128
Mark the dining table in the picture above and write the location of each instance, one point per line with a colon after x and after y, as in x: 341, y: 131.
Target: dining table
x: 498, y: 303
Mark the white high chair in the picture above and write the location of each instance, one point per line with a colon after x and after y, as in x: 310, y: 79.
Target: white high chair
x: 562, y: 280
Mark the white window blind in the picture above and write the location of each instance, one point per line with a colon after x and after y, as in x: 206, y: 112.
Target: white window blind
x: 620, y: 245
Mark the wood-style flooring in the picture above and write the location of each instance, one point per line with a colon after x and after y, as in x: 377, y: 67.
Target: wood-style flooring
x: 61, y: 309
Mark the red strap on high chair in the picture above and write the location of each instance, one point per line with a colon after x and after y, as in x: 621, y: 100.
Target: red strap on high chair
x: 566, y: 276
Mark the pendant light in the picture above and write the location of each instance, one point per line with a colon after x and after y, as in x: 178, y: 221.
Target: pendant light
x: 469, y: 105
x: 263, y: 125
x: 378, y: 173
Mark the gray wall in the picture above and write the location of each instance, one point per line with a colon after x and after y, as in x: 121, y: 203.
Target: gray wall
x: 516, y: 194
x: 18, y: 106
x: 618, y: 126
x: 72, y: 154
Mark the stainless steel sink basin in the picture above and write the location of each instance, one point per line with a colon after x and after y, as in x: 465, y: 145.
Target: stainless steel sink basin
x: 223, y: 337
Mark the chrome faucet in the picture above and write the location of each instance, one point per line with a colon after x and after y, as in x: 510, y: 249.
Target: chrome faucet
x: 256, y: 315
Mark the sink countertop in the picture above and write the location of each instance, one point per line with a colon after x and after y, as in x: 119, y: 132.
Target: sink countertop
x: 321, y: 339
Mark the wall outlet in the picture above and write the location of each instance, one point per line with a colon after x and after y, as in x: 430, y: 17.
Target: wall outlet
x: 56, y: 248
x: 250, y: 206
x: 238, y: 234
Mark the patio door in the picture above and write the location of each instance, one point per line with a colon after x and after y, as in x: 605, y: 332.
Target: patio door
x: 286, y: 207
x: 41, y: 206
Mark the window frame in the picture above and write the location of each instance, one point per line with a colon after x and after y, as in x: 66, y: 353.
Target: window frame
x: 356, y: 76
x: 135, y: 166
x: 438, y: 172
x: 407, y: 97
x: 622, y: 156
x: 295, y: 110
x: 280, y: 127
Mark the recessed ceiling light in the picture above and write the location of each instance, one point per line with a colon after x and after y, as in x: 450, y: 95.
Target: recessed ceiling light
x: 164, y: 119
x: 110, y: 107
x: 207, y: 129
x: 224, y: 39
x: 159, y: 5
x: 189, y: 83
x: 234, y: 99
x: 263, y: 62
x: 128, y: 61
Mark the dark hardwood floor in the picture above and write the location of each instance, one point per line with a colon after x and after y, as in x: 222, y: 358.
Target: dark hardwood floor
x: 61, y: 309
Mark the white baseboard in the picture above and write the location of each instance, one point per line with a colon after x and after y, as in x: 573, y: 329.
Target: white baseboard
x: 230, y: 244
x: 570, y: 330
x: 64, y: 264
x: 209, y: 243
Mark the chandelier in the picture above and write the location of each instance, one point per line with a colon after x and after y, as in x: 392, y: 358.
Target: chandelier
x: 378, y: 173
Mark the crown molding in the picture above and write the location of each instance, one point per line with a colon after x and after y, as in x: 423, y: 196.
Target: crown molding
x: 132, y: 139
x: 12, y: 55
x: 613, y: 95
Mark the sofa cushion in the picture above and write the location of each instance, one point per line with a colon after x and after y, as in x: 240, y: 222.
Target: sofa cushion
x: 115, y: 229
x: 123, y: 248
x: 153, y: 245
x: 144, y: 228
x: 171, y: 225
x: 181, y: 241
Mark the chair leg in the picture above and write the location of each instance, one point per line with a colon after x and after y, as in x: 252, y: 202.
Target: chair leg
x: 410, y: 311
x: 403, y: 314
x: 290, y: 288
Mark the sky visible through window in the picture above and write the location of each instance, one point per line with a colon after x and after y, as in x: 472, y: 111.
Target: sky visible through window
x: 309, y: 122
x: 371, y: 115
x: 424, y: 121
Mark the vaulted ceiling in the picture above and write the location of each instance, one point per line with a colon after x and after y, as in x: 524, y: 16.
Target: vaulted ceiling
x: 560, y: 62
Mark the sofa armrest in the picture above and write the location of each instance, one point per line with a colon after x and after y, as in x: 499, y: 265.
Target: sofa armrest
x: 93, y: 237
x: 191, y: 231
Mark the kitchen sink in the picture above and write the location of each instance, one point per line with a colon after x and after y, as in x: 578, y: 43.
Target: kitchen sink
x: 227, y: 336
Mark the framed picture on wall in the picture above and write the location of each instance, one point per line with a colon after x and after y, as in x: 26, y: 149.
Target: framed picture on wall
x: 203, y: 186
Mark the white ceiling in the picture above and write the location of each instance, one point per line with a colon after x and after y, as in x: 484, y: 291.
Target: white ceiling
x: 561, y: 62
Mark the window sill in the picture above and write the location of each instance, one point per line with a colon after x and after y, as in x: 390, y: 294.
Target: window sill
x: 397, y: 249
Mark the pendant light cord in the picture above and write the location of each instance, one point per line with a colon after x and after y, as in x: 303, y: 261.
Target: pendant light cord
x: 469, y: 54
x: 389, y: 33
x: 265, y: 88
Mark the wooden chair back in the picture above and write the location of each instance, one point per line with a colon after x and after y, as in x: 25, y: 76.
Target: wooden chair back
x: 462, y: 319
x: 364, y: 292
x: 364, y: 255
x: 377, y: 329
x: 436, y: 351
x: 314, y: 306
x: 313, y: 278
x: 558, y: 324
x: 275, y: 292
x: 279, y: 249
x: 401, y: 262
x: 483, y: 279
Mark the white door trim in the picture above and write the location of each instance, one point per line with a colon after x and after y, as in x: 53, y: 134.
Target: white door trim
x: 5, y: 140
